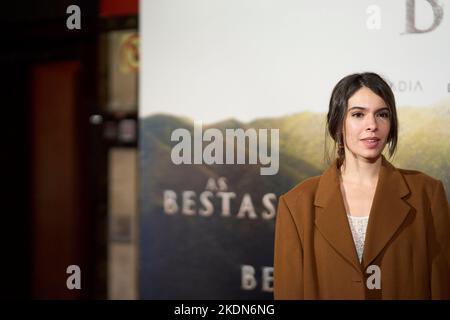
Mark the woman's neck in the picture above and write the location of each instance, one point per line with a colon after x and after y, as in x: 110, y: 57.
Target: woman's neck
x: 360, y: 171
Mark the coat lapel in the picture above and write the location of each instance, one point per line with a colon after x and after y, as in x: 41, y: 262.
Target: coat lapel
x: 331, y: 219
x: 387, y: 213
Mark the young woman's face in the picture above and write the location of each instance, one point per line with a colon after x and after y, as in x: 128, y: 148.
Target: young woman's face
x: 367, y: 124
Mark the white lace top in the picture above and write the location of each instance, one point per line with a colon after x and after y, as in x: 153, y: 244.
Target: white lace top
x: 358, y: 225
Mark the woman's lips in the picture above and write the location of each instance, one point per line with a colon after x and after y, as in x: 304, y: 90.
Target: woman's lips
x: 371, y: 143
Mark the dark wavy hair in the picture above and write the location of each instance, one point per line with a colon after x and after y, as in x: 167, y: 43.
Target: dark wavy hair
x: 337, y: 110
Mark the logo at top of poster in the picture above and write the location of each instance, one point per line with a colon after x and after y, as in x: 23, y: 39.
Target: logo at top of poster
x: 129, y: 53
x: 411, y: 27
x: 431, y: 8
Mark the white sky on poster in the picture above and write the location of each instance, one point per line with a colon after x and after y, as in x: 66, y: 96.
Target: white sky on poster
x: 214, y: 59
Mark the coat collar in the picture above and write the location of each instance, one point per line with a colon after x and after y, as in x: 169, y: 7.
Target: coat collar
x: 387, y: 213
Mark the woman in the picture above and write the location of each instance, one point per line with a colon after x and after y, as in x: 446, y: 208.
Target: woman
x: 363, y: 229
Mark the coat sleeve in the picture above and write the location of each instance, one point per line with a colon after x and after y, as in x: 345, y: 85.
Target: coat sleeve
x: 288, y: 256
x: 440, y: 244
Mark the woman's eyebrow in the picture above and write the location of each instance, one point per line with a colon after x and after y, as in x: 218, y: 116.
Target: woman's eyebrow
x: 362, y: 108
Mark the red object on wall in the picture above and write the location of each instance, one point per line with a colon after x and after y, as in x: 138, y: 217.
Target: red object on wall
x: 111, y: 8
x: 59, y: 224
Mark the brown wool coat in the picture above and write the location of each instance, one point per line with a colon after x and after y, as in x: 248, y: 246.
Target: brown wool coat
x: 407, y: 237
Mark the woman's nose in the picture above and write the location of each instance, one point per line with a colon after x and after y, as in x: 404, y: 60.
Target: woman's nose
x: 371, y: 122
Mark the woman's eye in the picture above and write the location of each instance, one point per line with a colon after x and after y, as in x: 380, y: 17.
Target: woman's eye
x: 360, y: 114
